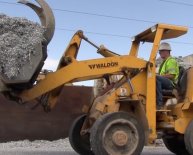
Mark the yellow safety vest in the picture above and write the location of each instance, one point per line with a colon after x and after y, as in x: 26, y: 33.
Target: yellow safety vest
x: 170, y: 66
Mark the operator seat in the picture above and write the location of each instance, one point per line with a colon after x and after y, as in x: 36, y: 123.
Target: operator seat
x: 182, y: 81
x: 180, y: 86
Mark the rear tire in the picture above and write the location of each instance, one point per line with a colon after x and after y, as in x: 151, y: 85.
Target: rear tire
x: 117, y: 133
x: 175, y: 143
x: 188, y: 137
x: 80, y: 144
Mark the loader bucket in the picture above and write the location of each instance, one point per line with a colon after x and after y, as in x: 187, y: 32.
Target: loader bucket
x: 46, y: 17
x: 28, y: 73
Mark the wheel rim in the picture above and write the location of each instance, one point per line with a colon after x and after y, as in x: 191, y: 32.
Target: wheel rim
x: 120, y: 137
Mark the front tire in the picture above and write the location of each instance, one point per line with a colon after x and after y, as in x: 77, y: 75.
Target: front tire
x: 175, y: 143
x: 117, y: 133
x: 79, y: 143
x: 188, y: 137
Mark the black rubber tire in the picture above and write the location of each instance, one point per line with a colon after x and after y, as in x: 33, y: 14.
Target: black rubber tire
x: 175, y: 143
x: 188, y: 138
x: 80, y: 144
x: 106, y: 125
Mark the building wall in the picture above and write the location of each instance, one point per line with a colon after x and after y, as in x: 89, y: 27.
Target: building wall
x: 188, y: 59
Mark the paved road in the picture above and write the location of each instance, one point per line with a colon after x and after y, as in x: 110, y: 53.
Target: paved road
x: 146, y: 151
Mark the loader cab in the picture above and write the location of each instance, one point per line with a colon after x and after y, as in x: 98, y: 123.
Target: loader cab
x: 154, y: 35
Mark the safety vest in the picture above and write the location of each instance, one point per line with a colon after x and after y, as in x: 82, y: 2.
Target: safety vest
x: 170, y: 66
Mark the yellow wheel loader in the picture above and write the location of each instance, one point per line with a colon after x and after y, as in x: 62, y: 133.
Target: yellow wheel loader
x: 123, y: 118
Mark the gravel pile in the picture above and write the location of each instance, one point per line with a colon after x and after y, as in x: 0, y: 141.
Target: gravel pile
x: 60, y: 147
x: 57, y: 145
x: 17, y: 39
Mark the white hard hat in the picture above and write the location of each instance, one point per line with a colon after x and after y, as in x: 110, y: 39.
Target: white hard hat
x: 165, y: 46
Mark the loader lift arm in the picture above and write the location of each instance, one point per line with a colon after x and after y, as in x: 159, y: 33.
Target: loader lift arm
x: 69, y: 57
x: 70, y: 70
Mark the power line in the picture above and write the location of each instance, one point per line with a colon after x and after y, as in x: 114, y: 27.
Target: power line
x: 179, y: 3
x: 114, y: 35
x: 177, y: 42
x: 92, y: 14
x: 3, y: 2
x: 167, y: 1
x: 108, y: 16
x: 65, y: 29
x: 96, y: 33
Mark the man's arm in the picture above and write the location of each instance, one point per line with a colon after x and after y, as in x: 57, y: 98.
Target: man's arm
x: 169, y: 76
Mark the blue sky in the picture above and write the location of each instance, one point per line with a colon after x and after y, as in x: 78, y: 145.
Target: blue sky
x: 147, y: 10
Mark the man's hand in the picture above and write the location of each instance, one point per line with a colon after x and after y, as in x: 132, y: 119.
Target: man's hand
x: 169, y: 76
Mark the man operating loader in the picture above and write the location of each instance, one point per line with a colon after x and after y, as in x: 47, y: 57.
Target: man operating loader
x: 168, y: 73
